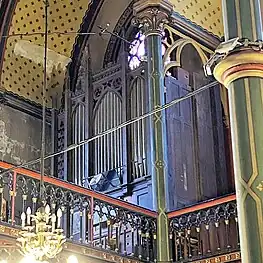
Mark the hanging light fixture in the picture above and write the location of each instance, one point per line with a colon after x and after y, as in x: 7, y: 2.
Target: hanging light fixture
x: 42, y: 237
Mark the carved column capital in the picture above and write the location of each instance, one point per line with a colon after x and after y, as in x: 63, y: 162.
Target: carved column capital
x: 152, y: 15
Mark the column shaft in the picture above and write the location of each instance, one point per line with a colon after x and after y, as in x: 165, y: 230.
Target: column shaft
x: 242, y: 18
x: 152, y: 15
x: 158, y: 143
x: 246, y: 112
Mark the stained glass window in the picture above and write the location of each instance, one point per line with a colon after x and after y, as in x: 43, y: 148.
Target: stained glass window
x: 137, y: 50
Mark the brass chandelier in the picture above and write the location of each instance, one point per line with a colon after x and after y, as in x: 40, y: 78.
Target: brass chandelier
x: 42, y: 236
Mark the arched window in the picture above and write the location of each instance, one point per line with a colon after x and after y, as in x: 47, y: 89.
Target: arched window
x: 137, y: 50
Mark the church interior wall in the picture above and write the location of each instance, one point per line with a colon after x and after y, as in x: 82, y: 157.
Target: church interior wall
x: 20, y: 139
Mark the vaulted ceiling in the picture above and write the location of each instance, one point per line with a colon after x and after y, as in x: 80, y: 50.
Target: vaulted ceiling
x: 22, y: 68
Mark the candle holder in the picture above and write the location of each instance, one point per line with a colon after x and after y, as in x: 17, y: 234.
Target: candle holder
x: 41, y: 235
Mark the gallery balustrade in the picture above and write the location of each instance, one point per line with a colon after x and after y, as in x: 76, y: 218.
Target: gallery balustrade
x: 89, y: 218
x: 97, y: 220
x: 204, y: 230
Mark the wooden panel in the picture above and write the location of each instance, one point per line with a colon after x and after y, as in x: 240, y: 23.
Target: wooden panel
x: 142, y: 194
x: 205, y: 140
x: 182, y: 186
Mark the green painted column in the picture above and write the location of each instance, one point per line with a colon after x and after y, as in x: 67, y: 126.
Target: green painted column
x: 158, y: 143
x: 152, y: 18
x: 242, y: 74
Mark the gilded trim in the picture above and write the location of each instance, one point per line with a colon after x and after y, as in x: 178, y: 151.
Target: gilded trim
x: 246, y: 63
x: 232, y: 257
x: 242, y: 71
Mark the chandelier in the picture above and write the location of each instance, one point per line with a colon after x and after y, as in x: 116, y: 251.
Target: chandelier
x: 42, y: 237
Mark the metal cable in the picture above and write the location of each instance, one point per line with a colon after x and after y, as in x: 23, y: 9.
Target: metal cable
x: 50, y: 33
x: 118, y: 127
x: 43, y: 137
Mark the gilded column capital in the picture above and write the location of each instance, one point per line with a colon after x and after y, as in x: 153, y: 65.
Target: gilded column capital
x: 152, y: 15
x: 242, y: 64
x: 235, y: 59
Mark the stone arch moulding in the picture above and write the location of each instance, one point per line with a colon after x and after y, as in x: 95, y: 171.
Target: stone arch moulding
x: 7, y: 9
x: 81, y: 41
x: 177, y: 46
x: 122, y: 25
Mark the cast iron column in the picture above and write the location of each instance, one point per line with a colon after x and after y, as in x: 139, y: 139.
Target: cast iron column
x: 242, y: 72
x: 152, y: 15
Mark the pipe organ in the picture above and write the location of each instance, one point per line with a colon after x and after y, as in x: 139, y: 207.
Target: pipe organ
x: 138, y: 129
x: 119, y: 163
x: 108, y: 149
x: 111, y: 99
x: 78, y: 135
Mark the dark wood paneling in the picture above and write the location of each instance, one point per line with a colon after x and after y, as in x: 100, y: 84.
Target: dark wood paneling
x: 182, y: 185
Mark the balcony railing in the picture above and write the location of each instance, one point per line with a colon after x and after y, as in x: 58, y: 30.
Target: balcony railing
x: 205, y: 230
x: 99, y: 221
x: 89, y: 218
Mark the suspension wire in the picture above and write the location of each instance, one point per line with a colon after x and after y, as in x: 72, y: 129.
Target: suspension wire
x: 43, y: 136
x: 103, y: 31
x: 116, y: 128
x: 49, y: 33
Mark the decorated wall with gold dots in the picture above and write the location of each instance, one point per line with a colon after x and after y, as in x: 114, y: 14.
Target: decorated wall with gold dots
x: 205, y: 13
x: 23, y: 73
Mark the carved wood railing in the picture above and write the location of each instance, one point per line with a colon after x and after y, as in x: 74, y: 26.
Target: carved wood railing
x: 205, y: 230
x: 89, y: 218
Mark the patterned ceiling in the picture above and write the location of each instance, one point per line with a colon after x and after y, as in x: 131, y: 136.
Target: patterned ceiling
x: 22, y: 71
x: 205, y: 13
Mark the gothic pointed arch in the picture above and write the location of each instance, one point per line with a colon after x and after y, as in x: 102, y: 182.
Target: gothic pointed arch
x: 7, y: 8
x: 81, y: 41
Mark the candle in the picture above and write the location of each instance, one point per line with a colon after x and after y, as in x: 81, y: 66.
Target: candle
x: 53, y: 220
x: 23, y: 218
x: 28, y: 212
x: 47, y: 211
x: 59, y: 215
